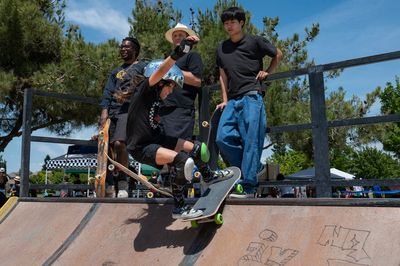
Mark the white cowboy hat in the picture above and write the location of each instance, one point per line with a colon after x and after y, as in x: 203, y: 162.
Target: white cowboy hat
x: 179, y: 26
x: 2, y: 170
x: 17, y: 178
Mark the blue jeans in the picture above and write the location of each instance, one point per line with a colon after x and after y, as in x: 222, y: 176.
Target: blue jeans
x: 240, y: 136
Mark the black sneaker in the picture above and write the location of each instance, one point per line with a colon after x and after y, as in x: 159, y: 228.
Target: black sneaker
x: 185, y: 212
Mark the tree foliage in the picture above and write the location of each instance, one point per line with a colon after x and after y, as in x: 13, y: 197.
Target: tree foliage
x: 290, y: 162
x: 371, y: 163
x: 390, y: 100
x: 38, y: 51
x: 149, y: 22
x: 287, y: 101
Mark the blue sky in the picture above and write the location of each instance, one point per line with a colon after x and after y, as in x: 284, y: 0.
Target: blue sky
x: 349, y: 29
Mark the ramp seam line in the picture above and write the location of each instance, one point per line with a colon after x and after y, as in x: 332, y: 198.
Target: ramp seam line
x: 85, y: 220
x: 203, y: 238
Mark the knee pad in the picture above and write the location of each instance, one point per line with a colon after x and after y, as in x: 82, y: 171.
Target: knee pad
x: 184, y: 167
x: 200, y: 152
x: 188, y: 169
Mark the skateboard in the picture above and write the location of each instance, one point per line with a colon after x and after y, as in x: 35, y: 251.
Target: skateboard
x: 212, y: 199
x: 212, y: 125
x: 141, y: 178
x: 102, y: 154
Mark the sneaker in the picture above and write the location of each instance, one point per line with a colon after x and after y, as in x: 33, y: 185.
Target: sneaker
x: 123, y: 188
x: 242, y: 195
x: 122, y: 193
x: 185, y: 212
x: 212, y: 177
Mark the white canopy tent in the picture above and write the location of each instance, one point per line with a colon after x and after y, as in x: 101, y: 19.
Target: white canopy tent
x: 310, y: 174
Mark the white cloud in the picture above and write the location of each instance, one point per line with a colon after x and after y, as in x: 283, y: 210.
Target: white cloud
x: 99, y: 16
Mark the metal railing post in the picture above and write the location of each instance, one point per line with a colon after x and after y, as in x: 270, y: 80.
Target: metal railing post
x: 26, y: 142
x: 320, y: 133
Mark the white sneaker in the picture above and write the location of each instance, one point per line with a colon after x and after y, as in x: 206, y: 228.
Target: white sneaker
x: 122, y: 189
x: 185, y: 212
x: 122, y: 193
x: 192, y: 213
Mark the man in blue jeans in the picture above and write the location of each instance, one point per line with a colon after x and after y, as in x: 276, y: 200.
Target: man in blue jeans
x: 242, y: 127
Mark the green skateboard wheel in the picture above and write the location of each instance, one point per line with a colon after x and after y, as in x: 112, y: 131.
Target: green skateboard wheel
x: 239, y: 188
x: 218, y: 219
x: 194, y: 224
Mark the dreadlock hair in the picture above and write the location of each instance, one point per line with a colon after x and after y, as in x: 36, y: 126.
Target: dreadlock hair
x: 135, y: 44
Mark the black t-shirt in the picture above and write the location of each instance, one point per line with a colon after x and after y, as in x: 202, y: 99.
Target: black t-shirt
x: 3, y: 181
x: 186, y: 96
x: 120, y: 79
x: 242, y: 61
x: 143, y: 125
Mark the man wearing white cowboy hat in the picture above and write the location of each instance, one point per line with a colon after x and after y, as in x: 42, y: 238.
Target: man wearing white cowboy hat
x: 178, y: 111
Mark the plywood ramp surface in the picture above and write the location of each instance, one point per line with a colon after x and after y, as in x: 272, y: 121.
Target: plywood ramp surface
x: 73, y: 233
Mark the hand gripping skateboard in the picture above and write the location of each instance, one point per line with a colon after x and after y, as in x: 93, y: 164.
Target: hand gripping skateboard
x: 102, y: 153
x: 141, y: 178
x: 211, y: 200
x: 212, y: 134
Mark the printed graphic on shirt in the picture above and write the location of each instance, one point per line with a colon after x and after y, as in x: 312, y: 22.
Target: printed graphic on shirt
x: 121, y: 74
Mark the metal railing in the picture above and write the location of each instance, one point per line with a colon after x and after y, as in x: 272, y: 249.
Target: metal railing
x: 319, y: 124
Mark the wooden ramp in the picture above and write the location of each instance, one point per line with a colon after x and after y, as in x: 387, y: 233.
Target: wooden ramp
x: 255, y: 232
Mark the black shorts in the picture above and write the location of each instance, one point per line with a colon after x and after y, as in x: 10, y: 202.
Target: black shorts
x: 118, y: 127
x: 147, y: 153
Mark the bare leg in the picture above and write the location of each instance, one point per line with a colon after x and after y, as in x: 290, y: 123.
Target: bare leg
x: 165, y: 156
x: 184, y: 145
x: 121, y: 154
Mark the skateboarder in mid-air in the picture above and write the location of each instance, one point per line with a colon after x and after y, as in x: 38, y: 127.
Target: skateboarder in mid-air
x: 146, y: 139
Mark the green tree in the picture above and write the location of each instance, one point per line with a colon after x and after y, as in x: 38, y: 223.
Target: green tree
x: 371, y: 163
x: 390, y: 100
x: 46, y: 159
x: 287, y: 101
x: 149, y: 22
x: 38, y: 51
x: 290, y: 162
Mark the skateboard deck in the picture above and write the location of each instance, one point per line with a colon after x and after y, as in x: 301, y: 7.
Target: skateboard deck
x: 212, y: 198
x: 102, y: 152
x: 212, y: 134
x: 141, y: 178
